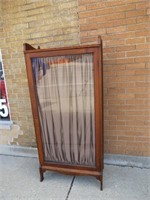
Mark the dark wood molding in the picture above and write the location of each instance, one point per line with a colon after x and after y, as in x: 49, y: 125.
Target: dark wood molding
x: 27, y: 47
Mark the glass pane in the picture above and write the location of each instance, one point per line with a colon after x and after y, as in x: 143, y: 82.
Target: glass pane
x: 65, y: 93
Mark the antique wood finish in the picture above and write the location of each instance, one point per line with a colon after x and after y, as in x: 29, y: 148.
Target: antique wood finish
x: 96, y: 50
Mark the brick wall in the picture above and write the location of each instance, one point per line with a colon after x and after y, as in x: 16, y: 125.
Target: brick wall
x: 46, y: 23
x: 124, y: 27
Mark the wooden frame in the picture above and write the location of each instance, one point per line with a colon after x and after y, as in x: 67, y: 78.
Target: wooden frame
x: 96, y: 171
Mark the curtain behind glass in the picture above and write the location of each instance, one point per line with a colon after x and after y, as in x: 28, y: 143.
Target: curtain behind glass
x: 65, y: 94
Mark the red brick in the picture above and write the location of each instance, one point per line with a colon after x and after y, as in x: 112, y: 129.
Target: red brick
x: 113, y: 42
x: 87, y: 14
x: 142, y: 33
x: 95, y: 19
x: 136, y: 90
x: 119, y: 61
x: 142, y: 84
x: 120, y: 22
x: 82, y: 8
x: 142, y: 19
x: 135, y: 13
x: 126, y: 48
x: 137, y: 27
x: 126, y: 73
x: 96, y: 6
x: 89, y: 39
x: 148, y: 11
x: 116, y: 55
x: 142, y: 59
x: 144, y: 71
x: 135, y: 41
x: 136, y: 66
x: 104, y: 11
x: 114, y: 3
x: 109, y: 49
x: 135, y: 53
x: 88, y: 27
x: 115, y: 68
x: 116, y: 102
x: 142, y: 5
x: 114, y: 16
x: 117, y: 122
x: 116, y: 29
x: 142, y: 96
x: 147, y: 39
x: 126, y: 138
x: 125, y: 8
x: 110, y: 73
x: 116, y: 36
x: 83, y: 34
x: 142, y: 46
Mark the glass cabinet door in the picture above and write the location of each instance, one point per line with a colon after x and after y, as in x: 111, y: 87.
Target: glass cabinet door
x: 65, y: 93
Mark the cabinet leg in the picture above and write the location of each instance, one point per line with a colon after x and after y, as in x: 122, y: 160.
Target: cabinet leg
x: 41, y: 174
x: 101, y: 186
x: 100, y: 178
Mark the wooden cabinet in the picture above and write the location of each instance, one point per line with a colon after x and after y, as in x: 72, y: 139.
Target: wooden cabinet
x: 67, y: 103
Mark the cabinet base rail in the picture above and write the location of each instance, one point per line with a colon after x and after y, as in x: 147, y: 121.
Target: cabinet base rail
x: 66, y: 171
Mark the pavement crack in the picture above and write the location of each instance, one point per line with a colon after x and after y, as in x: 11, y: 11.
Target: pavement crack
x: 70, y: 188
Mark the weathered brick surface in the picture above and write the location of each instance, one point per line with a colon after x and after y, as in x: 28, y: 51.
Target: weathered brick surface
x: 46, y: 23
x: 124, y: 27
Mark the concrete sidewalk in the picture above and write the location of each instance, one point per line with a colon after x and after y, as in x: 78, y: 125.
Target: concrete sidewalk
x: 19, y: 180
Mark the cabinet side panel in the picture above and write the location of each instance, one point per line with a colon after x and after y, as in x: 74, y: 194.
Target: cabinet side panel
x: 34, y: 107
x: 98, y: 108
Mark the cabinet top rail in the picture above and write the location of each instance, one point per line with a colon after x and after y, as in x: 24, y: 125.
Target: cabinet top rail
x: 27, y: 48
